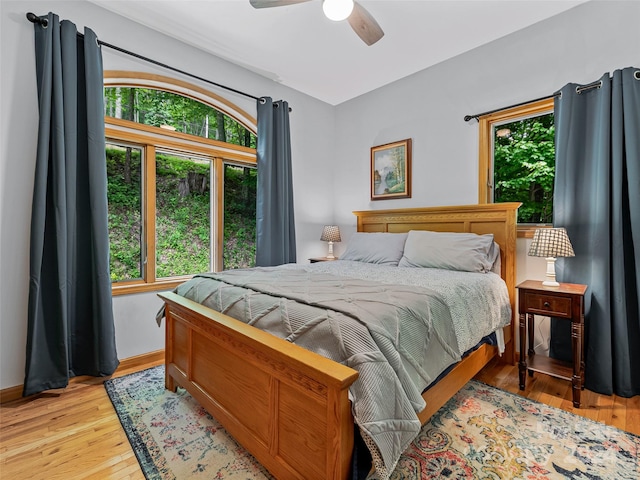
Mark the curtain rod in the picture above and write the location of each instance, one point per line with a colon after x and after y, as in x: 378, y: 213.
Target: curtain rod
x: 33, y: 18
x: 477, y: 115
x: 580, y: 89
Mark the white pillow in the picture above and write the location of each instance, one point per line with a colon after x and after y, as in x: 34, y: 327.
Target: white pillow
x: 382, y: 248
x: 467, y: 252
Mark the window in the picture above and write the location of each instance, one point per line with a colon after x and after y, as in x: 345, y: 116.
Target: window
x: 517, y: 161
x: 240, y: 184
x: 183, y: 214
x: 181, y: 183
x: 124, y: 188
x: 158, y: 108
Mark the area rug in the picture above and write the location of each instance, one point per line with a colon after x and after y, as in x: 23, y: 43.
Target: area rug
x: 481, y: 433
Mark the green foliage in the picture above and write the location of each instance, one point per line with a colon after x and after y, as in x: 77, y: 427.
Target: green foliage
x: 182, y: 221
x: 524, y: 167
x: 157, y: 108
x: 124, y: 239
x: 125, y: 211
x: 396, y: 188
x: 239, y: 217
x: 181, y: 248
x: 392, y: 181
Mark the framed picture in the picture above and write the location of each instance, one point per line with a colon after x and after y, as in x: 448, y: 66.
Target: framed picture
x: 391, y: 170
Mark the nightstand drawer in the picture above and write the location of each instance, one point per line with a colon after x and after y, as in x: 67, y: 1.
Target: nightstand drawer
x: 545, y: 304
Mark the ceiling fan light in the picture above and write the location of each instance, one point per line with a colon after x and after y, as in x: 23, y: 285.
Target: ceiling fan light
x: 337, y: 10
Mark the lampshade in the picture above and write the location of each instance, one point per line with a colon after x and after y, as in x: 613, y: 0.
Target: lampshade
x: 337, y: 9
x: 551, y: 242
x: 330, y: 233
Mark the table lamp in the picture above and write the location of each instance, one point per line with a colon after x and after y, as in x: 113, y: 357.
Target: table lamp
x: 551, y: 243
x: 330, y: 233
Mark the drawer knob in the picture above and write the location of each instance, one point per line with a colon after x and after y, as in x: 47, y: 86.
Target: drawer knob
x: 547, y: 304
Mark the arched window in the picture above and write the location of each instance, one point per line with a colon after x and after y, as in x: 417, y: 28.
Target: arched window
x: 181, y: 181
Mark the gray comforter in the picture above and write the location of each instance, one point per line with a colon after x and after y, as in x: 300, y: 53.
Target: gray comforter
x: 398, y: 337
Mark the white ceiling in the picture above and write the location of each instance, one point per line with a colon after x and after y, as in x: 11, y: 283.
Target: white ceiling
x: 299, y: 47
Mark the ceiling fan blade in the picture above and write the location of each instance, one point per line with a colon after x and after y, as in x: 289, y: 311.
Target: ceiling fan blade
x: 274, y: 3
x: 365, y: 25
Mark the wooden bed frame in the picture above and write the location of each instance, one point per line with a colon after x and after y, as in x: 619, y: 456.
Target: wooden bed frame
x: 288, y: 406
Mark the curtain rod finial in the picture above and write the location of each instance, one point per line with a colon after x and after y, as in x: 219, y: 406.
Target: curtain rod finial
x: 33, y: 18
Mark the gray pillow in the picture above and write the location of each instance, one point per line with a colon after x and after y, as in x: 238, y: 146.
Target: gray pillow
x: 467, y: 252
x: 382, y: 248
x: 494, y: 256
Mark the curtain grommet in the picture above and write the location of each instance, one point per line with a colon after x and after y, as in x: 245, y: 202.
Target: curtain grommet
x: 584, y: 88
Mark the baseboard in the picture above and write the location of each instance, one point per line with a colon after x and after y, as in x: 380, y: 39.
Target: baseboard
x: 126, y: 365
x: 10, y: 393
x: 132, y: 363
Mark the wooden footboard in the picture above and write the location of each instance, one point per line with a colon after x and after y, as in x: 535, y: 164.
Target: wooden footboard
x: 286, y: 405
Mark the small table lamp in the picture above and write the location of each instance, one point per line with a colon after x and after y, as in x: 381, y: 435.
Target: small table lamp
x: 551, y: 243
x: 330, y: 233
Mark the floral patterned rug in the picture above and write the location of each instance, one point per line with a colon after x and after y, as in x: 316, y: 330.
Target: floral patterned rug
x: 481, y: 433
x: 484, y: 432
x: 173, y: 436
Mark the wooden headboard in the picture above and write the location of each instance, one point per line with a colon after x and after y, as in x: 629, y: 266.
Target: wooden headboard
x: 497, y: 218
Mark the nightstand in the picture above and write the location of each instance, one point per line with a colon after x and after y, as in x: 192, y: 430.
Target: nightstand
x: 564, y: 302
x: 322, y: 259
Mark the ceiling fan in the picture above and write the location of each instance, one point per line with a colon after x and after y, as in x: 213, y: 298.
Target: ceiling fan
x: 358, y: 17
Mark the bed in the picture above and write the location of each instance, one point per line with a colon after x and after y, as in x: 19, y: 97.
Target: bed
x: 288, y: 406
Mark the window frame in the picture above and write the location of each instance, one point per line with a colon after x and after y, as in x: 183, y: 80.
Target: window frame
x: 149, y: 139
x: 486, y: 124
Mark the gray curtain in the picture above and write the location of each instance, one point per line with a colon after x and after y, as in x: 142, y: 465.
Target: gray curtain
x: 275, y: 228
x: 70, y: 315
x: 597, y: 199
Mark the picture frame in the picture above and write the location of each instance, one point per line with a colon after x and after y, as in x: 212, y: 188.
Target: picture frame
x: 391, y: 170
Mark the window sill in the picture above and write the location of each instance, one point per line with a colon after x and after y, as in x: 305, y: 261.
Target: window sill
x: 525, y: 230
x: 122, y: 288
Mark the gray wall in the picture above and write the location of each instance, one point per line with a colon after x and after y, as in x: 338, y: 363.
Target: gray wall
x: 331, y: 177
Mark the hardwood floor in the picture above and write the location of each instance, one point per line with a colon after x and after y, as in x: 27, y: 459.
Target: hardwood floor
x: 71, y: 433
x: 622, y: 413
x: 75, y: 434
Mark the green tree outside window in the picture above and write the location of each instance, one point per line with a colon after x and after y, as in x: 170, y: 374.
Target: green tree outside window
x: 524, y: 166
